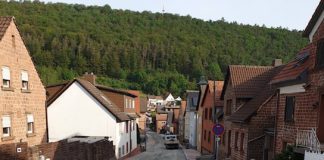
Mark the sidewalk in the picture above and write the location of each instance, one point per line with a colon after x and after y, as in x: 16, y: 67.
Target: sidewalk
x: 191, y: 154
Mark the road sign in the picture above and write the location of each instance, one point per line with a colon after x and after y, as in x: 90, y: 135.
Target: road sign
x: 218, y: 139
x: 218, y: 129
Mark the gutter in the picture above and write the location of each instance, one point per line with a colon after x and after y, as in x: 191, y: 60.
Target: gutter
x: 275, y: 124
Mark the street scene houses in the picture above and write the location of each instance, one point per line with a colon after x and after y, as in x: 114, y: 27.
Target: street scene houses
x: 255, y: 113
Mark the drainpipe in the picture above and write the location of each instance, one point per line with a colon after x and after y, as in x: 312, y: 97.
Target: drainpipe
x: 275, y: 124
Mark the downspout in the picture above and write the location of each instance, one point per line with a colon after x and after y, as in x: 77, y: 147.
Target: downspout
x: 275, y: 124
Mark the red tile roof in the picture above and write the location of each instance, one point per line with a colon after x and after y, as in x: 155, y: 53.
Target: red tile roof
x: 210, y: 88
x: 313, y: 20
x: 4, y: 24
x: 295, y: 69
x: 246, y: 80
x: 264, y: 92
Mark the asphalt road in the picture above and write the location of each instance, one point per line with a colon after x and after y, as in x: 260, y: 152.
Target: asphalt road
x: 155, y: 150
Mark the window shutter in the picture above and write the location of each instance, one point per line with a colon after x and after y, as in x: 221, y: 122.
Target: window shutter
x: 6, y: 73
x: 30, y: 118
x: 133, y: 104
x: 6, y: 121
x: 290, y: 105
x: 24, y: 76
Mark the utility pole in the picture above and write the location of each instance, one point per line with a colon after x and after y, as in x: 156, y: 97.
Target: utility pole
x: 216, y: 141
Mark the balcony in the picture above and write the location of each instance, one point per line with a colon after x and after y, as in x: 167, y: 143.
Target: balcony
x: 308, y: 139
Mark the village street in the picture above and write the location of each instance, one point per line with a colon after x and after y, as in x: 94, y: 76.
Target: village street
x: 156, y: 150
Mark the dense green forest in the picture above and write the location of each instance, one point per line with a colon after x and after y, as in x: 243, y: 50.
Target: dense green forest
x: 151, y: 52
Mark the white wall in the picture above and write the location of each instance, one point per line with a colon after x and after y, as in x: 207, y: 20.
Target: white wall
x: 298, y: 88
x: 187, y: 126
x: 193, y: 129
x: 77, y: 113
x: 134, y: 135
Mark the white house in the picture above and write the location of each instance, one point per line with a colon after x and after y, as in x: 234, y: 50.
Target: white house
x: 191, y: 118
x: 78, y: 108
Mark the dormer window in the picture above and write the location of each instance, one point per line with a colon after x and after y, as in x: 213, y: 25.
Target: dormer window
x: 320, y: 54
x: 24, y: 80
x: 5, y: 77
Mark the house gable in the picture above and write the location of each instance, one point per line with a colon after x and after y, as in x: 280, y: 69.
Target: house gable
x: 18, y: 102
x: 316, y: 23
x: 77, y: 113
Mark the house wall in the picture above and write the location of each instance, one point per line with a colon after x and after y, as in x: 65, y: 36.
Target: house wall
x: 263, y: 119
x: 207, y: 123
x: 226, y: 147
x: 192, y: 129
x: 199, y: 128
x: 142, y: 121
x: 187, y: 126
x: 238, y: 152
x: 16, y: 103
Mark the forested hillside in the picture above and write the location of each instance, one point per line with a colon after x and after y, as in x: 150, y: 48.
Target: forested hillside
x: 151, y: 52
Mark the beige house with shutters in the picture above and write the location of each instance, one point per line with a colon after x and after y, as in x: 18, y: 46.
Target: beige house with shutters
x: 22, y: 94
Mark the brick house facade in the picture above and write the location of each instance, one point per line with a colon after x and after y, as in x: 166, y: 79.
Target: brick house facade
x: 301, y: 81
x: 22, y: 94
x: 208, y: 110
x: 248, y: 113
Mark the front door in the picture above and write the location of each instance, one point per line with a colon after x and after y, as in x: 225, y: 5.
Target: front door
x: 320, y: 133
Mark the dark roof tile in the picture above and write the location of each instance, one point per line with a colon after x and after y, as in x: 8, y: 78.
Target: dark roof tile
x: 4, y: 24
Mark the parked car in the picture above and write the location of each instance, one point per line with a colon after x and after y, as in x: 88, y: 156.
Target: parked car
x: 171, y: 141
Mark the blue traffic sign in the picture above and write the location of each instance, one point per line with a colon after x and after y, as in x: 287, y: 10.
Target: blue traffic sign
x: 218, y: 129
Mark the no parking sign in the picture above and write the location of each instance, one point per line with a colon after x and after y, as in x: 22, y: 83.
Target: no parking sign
x: 218, y: 129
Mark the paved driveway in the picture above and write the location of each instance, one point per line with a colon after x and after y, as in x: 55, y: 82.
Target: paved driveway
x: 156, y: 150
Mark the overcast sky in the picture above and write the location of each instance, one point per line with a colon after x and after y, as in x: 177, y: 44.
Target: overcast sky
x: 292, y: 14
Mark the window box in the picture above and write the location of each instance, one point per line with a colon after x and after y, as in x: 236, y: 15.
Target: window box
x: 25, y: 91
x: 10, y: 138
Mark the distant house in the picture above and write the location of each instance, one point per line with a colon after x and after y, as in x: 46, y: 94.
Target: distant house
x: 143, y: 117
x: 210, y: 104
x: 191, y: 118
x: 154, y: 100
x: 81, y: 108
x: 169, y: 99
x: 22, y: 100
x: 249, y: 120
x: 161, y: 119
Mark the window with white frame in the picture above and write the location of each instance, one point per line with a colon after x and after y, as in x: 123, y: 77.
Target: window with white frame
x: 6, y: 126
x: 133, y: 103
x: 126, y: 103
x: 24, y: 80
x: 130, y: 103
x: 30, y: 123
x: 6, y: 77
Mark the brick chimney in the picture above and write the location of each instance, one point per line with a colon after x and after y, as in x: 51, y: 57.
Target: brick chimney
x: 277, y: 62
x: 89, y: 77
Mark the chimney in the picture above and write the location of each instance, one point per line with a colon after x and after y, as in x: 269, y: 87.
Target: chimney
x: 89, y: 77
x: 277, y: 62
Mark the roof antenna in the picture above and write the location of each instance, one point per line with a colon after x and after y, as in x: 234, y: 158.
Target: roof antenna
x: 163, y: 7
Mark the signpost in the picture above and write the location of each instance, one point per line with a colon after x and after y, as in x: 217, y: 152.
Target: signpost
x: 218, y: 130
